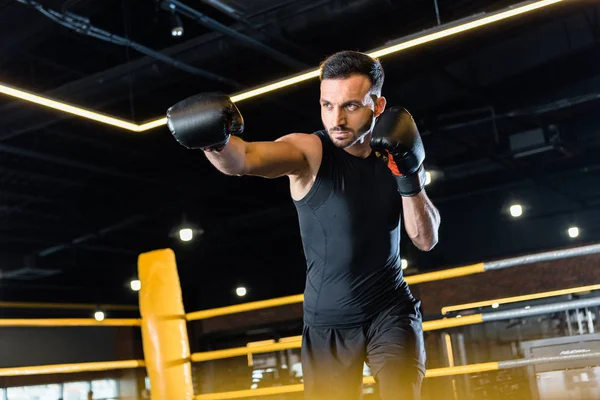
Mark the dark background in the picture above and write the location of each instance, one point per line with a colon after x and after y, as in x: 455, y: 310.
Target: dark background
x: 80, y: 200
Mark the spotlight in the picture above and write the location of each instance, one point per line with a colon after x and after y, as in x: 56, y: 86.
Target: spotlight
x: 573, y: 231
x: 427, y: 178
x: 186, y: 234
x: 516, y: 210
x: 186, y: 230
x: 495, y: 305
x: 176, y: 25
x: 99, y: 316
x: 241, y: 291
x: 404, y: 263
x: 136, y: 285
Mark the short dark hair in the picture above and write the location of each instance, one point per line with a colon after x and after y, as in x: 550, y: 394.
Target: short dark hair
x: 343, y: 64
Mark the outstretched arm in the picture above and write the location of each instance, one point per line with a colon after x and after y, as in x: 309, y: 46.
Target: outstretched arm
x: 421, y: 220
x: 211, y: 122
x: 266, y: 159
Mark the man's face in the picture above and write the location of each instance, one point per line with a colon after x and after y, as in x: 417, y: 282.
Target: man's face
x: 348, y: 109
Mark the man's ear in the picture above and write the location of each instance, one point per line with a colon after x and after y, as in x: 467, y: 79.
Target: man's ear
x: 380, y: 103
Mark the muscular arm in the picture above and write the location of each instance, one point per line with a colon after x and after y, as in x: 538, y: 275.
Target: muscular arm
x: 266, y: 159
x: 421, y: 221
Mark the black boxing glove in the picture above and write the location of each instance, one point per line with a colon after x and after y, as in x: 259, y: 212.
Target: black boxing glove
x: 396, y: 134
x: 205, y: 121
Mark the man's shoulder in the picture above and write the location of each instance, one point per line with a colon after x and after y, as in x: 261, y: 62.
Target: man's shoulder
x: 305, y: 142
x: 302, y: 137
x: 311, y: 147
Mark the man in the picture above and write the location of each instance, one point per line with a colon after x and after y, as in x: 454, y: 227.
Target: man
x: 352, y: 184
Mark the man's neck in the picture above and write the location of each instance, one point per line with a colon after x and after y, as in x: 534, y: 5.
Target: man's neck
x: 362, y: 148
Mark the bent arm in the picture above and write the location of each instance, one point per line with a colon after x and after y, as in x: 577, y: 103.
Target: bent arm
x: 421, y: 221
x: 266, y: 159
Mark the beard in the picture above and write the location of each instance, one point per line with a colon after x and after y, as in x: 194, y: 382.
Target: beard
x: 352, y: 137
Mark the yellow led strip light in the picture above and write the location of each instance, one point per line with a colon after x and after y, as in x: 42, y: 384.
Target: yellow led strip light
x: 434, y: 35
x: 58, y: 105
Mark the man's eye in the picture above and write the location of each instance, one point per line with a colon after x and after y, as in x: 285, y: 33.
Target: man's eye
x: 352, y: 107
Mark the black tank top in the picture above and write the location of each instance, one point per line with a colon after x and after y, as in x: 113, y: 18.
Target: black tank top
x: 350, y: 223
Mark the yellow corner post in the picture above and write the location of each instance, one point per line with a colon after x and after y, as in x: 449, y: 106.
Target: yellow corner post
x: 164, y: 327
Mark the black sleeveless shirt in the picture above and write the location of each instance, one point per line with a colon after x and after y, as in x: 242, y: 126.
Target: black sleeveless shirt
x: 350, y: 223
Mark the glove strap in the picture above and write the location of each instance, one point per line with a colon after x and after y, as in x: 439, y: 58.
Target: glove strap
x: 413, y: 184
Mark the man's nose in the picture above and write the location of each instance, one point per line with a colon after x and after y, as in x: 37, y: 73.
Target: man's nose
x: 339, y: 117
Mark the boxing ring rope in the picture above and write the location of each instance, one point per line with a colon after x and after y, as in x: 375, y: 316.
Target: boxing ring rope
x: 164, y: 330
x: 67, y: 306
x: 296, y: 341
x: 151, y: 313
x: 69, y: 322
x: 412, y: 280
x: 166, y: 319
x: 62, y: 322
x: 515, y: 299
x: 250, y: 306
x: 71, y: 368
x: 433, y: 373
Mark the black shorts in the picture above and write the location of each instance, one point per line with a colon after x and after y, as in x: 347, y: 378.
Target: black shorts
x: 392, y: 345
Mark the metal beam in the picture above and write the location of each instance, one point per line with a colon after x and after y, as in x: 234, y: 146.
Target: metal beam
x: 111, y: 86
x: 82, y: 26
x: 29, y: 197
x: 93, y: 235
x: 49, y: 63
x: 7, y: 210
x: 36, y: 30
x: 233, y: 13
x: 202, y: 19
x: 75, y: 164
x: 437, y: 12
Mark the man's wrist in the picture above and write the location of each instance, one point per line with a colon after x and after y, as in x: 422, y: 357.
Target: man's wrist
x: 218, y: 147
x: 413, y: 184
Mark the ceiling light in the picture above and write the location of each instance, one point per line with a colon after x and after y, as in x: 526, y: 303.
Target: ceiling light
x: 57, y: 105
x: 186, y: 231
x: 241, y: 291
x: 494, y: 17
x: 495, y: 305
x: 136, y: 285
x: 99, y: 316
x: 573, y: 231
x: 186, y: 234
x: 176, y: 25
x: 434, y: 34
x: 404, y: 263
x: 427, y: 178
x: 516, y: 210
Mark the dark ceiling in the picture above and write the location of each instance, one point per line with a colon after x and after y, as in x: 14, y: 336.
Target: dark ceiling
x: 508, y: 112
